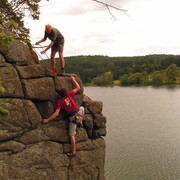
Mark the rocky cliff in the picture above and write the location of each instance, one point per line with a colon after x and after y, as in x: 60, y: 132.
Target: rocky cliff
x: 31, y: 150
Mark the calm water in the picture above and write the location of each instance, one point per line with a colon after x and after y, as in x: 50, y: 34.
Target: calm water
x: 143, y: 139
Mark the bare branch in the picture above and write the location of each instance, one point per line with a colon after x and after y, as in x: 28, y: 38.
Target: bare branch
x: 111, y: 13
x: 108, y: 6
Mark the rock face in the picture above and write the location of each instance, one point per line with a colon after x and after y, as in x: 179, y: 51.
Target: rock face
x: 31, y: 150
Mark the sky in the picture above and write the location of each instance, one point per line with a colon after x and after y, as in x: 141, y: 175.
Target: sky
x: 148, y: 27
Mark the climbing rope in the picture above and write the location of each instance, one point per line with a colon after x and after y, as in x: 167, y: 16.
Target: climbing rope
x: 39, y: 55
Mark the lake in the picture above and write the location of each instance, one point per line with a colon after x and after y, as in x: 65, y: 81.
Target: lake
x: 143, y: 131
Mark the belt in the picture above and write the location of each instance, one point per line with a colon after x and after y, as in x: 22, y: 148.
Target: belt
x: 73, y: 113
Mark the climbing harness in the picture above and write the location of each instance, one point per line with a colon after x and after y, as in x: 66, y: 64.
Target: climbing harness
x: 75, y: 118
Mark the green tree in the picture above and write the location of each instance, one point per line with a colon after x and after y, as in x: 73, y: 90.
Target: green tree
x: 157, y: 78
x: 12, y: 13
x: 144, y: 78
x: 108, y: 77
x: 116, y: 72
x: 171, y: 74
x: 124, y: 79
x: 139, y: 78
x: 104, y: 80
x: 178, y: 79
x: 135, y: 78
x: 99, y: 81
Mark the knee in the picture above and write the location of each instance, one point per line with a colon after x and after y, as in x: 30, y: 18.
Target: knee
x: 60, y: 53
x: 81, y: 108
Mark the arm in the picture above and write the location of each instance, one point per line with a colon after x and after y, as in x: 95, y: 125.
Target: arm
x: 50, y: 118
x: 77, y: 88
x: 50, y: 45
x: 42, y: 40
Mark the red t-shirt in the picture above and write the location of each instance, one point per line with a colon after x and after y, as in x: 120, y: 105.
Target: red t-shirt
x: 67, y: 103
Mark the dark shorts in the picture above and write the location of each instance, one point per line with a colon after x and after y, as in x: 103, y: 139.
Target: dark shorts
x: 57, y: 47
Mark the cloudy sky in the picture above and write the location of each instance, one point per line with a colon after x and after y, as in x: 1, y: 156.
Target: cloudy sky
x: 150, y: 26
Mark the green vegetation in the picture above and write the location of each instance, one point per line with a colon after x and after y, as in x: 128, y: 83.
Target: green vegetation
x: 12, y: 14
x: 3, y: 112
x: 153, y: 70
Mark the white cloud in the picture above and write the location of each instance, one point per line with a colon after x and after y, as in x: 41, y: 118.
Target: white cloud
x: 89, y: 29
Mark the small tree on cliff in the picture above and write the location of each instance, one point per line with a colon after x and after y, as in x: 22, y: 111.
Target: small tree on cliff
x: 12, y: 13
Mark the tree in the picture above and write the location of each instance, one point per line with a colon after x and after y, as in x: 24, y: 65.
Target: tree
x: 144, y: 78
x: 12, y: 13
x: 124, y: 79
x: 108, y: 77
x: 99, y: 81
x: 157, y: 78
x: 138, y: 78
x: 171, y: 74
x: 104, y: 80
x: 135, y: 78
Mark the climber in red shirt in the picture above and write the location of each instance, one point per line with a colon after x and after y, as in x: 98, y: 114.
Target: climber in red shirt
x: 75, y: 113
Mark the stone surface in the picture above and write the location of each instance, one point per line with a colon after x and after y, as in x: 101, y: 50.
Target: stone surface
x: 31, y: 150
x: 11, y: 82
x: 39, y: 89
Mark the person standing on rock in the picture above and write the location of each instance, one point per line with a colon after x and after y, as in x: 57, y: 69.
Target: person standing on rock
x: 75, y: 113
x: 57, y: 44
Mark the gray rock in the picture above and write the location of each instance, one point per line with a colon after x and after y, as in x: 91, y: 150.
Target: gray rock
x: 31, y: 150
x: 11, y: 82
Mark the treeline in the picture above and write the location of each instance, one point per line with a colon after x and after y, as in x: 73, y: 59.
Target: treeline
x: 139, y: 70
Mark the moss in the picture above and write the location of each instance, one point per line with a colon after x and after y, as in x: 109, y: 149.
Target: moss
x: 3, y: 112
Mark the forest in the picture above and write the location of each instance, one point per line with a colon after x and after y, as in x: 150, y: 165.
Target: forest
x: 155, y: 70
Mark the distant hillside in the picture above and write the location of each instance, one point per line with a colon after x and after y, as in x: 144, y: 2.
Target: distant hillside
x: 90, y: 67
